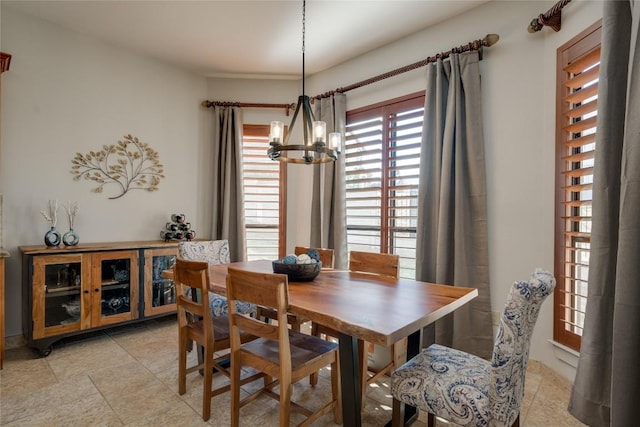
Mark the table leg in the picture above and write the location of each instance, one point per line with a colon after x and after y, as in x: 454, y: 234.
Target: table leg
x: 350, y: 381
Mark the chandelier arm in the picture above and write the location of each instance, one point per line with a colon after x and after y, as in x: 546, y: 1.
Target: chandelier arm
x: 293, y: 119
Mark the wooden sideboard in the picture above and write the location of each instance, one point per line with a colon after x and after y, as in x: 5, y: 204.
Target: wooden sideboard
x: 78, y: 289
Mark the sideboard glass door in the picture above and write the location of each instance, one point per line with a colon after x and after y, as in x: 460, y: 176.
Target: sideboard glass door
x: 160, y: 292
x: 59, y: 306
x: 117, y: 294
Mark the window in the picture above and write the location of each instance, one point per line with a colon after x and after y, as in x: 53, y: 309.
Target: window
x: 264, y: 196
x: 382, y: 154
x: 577, y: 108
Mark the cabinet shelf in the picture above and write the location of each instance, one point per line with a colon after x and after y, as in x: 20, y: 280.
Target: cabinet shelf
x: 110, y: 286
x: 54, y: 289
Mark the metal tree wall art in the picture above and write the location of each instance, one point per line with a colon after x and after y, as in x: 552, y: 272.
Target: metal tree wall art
x: 130, y: 165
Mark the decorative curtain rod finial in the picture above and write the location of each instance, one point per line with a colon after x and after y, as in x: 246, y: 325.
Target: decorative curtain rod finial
x: 551, y: 18
x: 491, y: 39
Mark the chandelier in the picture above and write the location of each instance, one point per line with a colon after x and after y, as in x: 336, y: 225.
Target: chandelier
x: 313, y: 148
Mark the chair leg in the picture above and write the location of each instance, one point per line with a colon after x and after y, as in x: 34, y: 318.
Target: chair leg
x: 313, y: 378
x: 397, y: 412
x: 235, y: 391
x: 335, y: 391
x: 182, y: 364
x: 516, y: 422
x: 285, y: 402
x: 431, y: 420
x: 207, y: 383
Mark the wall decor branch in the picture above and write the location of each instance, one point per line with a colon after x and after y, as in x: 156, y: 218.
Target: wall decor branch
x: 130, y: 164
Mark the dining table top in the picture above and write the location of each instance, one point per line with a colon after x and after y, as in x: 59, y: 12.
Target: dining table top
x: 377, y: 309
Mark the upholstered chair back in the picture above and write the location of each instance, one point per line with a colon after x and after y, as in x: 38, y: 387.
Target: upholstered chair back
x: 466, y: 389
x: 213, y: 252
x: 511, y: 348
x: 210, y: 251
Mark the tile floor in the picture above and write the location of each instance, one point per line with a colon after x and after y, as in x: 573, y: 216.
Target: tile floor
x: 128, y: 376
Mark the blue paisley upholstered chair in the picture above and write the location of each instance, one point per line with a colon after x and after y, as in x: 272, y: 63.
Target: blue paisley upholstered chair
x: 470, y: 391
x: 213, y: 252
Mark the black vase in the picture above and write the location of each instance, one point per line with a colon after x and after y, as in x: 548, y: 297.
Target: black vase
x: 52, y: 237
x: 70, y: 238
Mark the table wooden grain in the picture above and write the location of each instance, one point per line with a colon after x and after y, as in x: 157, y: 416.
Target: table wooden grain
x: 376, y: 309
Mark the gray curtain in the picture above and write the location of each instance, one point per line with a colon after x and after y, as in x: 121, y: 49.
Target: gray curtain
x: 452, y: 246
x: 328, y: 205
x: 228, y: 200
x: 607, y: 383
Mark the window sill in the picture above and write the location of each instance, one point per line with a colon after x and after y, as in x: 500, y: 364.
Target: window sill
x: 566, y: 354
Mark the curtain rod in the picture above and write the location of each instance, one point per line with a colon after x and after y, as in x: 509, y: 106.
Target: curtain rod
x: 210, y: 104
x: 551, y: 18
x: 488, y: 40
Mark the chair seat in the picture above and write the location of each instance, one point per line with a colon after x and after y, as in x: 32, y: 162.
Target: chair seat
x: 303, y: 348
x: 447, y: 383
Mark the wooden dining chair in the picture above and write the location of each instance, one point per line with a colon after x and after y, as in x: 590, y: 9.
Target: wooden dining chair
x: 382, y: 265
x: 196, y: 323
x: 284, y: 355
x: 326, y: 255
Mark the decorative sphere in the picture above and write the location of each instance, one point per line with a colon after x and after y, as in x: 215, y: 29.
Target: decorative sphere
x: 314, y: 254
x: 290, y: 259
x: 304, y: 259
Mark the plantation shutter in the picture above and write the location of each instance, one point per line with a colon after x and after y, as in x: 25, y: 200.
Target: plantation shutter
x: 264, y: 192
x: 577, y: 115
x: 382, y: 150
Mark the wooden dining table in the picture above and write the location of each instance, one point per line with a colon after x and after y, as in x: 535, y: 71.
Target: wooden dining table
x: 361, y: 306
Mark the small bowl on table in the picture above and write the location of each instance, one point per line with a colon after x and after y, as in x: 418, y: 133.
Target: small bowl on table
x: 298, y: 272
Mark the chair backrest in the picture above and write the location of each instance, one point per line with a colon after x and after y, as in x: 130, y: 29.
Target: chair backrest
x: 326, y: 255
x: 263, y: 289
x: 511, y: 348
x: 192, y: 276
x: 210, y: 251
x: 373, y: 262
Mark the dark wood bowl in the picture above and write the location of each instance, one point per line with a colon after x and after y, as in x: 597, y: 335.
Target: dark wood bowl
x: 298, y: 272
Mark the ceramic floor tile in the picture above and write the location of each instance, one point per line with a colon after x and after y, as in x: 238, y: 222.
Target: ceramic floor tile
x: 178, y: 415
x: 139, y: 404
x: 22, y: 373
x: 45, y: 400
x: 80, y: 359
x: 91, y: 410
x: 129, y: 376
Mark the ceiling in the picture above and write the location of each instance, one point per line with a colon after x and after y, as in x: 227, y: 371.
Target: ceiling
x: 246, y: 39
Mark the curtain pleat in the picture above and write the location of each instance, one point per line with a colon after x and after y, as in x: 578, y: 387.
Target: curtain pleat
x: 228, y: 201
x: 328, y: 205
x: 451, y: 240
x: 607, y: 381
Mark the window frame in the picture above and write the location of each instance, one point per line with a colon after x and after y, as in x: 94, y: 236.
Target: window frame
x: 579, y: 47
x: 262, y: 131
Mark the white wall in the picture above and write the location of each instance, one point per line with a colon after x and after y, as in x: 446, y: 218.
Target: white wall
x: 66, y: 93
x: 518, y: 77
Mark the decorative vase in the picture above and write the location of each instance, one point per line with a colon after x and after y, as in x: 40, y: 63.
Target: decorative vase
x: 70, y: 238
x: 52, y: 238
